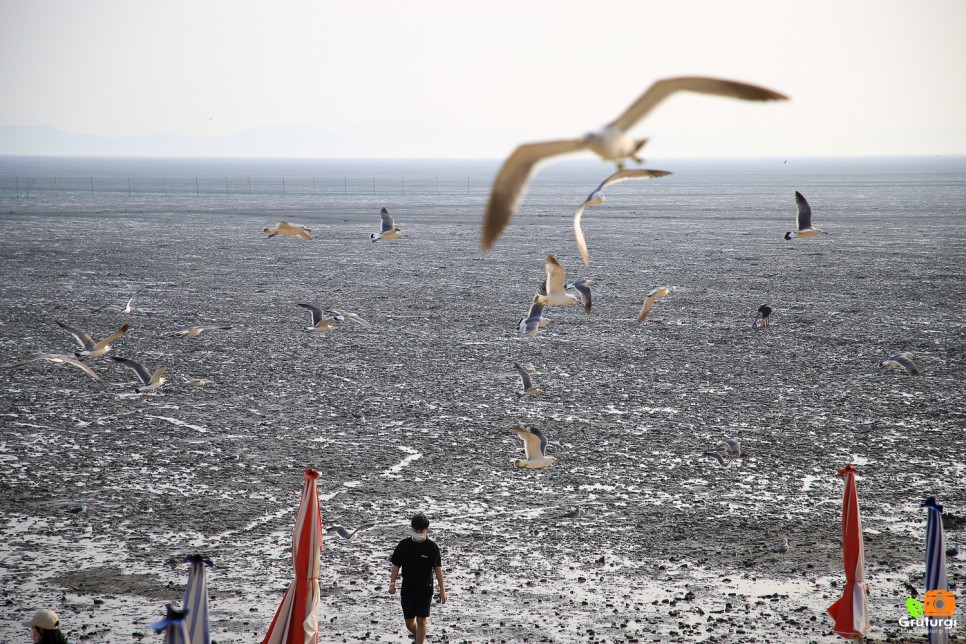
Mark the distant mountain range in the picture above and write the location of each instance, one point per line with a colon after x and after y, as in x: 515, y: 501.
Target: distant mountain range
x: 386, y: 139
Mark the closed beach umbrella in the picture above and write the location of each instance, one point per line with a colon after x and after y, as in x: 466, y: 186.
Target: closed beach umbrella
x: 935, y: 563
x: 851, y: 612
x: 173, y: 626
x: 196, y: 600
x: 297, y: 618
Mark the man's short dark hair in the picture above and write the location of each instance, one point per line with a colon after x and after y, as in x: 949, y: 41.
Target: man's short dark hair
x: 420, y: 522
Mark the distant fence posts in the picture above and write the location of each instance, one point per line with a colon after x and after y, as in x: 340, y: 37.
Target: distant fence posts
x: 295, y: 187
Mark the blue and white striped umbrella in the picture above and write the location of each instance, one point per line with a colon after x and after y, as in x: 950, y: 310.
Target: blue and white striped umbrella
x: 173, y: 626
x: 196, y: 600
x: 935, y: 564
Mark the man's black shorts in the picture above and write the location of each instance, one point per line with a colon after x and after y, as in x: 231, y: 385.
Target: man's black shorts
x: 415, y: 603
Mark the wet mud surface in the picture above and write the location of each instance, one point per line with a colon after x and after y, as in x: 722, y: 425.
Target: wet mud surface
x: 669, y: 546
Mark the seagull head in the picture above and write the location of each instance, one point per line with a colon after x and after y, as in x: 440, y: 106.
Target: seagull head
x: 595, y: 199
x: 790, y: 235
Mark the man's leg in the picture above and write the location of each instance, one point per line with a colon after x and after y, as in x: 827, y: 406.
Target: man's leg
x: 420, y: 629
x: 411, y: 624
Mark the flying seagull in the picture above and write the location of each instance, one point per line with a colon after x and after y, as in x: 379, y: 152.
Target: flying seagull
x: 557, y: 286
x: 763, y: 314
x: 661, y: 291
x: 149, y: 381
x: 529, y: 389
x: 198, y: 330
x: 722, y: 461
x: 342, y: 316
x: 534, y: 319
x: 345, y: 534
x: 597, y: 197
x: 612, y: 143
x: 389, y: 230
x: 89, y: 348
x: 320, y: 323
x: 287, y: 229
x: 534, y: 448
x: 58, y: 358
x: 805, y: 228
x: 902, y: 361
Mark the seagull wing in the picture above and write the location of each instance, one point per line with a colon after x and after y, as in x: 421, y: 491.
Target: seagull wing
x: 156, y: 377
x: 360, y: 320
x: 316, y: 313
x: 532, y: 443
x: 648, y: 305
x: 804, y: 212
x: 304, y: 234
x: 556, y: 276
x: 907, y: 364
x: 525, y: 377
x: 80, y: 365
x: 596, y: 198
x: 702, y: 85
x: 339, y: 530
x: 583, y: 287
x: 511, y: 184
x: 387, y: 221
x: 141, y: 372
x: 111, y: 338
x: 624, y: 175
x: 82, y: 338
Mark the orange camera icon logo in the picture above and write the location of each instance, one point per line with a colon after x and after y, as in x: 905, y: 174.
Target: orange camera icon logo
x: 939, y: 603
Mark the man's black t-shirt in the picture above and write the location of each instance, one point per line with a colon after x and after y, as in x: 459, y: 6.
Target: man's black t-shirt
x: 417, y: 559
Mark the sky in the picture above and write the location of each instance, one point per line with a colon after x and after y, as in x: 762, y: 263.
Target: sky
x: 462, y: 79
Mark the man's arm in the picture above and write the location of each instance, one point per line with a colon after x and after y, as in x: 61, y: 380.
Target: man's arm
x: 392, y: 579
x: 442, y: 587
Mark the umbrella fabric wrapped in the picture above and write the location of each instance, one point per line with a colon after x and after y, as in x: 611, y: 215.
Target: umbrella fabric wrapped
x: 935, y: 568
x: 297, y: 618
x: 173, y: 626
x: 196, y: 600
x: 851, y: 611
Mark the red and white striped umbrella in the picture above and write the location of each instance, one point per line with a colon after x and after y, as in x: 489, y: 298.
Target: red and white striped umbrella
x: 297, y: 618
x: 851, y: 612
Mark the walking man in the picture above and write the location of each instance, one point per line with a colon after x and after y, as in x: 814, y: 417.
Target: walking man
x: 418, y: 557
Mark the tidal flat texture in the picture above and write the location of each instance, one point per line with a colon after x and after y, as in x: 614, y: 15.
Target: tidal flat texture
x: 103, y: 493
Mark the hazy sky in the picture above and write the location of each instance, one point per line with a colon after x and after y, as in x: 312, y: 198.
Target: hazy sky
x: 865, y: 77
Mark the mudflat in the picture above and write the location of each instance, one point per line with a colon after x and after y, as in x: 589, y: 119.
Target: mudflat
x: 104, y: 492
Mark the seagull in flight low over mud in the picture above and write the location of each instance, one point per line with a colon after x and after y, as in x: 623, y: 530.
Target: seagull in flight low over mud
x: 534, y: 320
x: 198, y: 330
x: 288, y: 229
x: 804, y: 219
x: 61, y: 359
x: 344, y: 533
x: 612, y: 143
x: 661, y: 291
x: 902, y: 361
x: 320, y: 322
x: 557, y: 286
x: 149, y: 381
x: 388, y: 230
x: 89, y: 348
x: 597, y: 197
x: 534, y: 448
x: 529, y: 389
x: 342, y: 316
